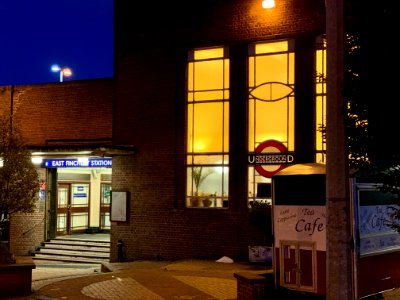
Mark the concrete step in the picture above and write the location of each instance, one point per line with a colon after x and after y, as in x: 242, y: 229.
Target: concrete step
x: 68, y: 259
x: 76, y: 242
x: 77, y: 247
x: 73, y: 250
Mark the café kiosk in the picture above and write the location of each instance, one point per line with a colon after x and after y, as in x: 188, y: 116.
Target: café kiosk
x: 299, y: 225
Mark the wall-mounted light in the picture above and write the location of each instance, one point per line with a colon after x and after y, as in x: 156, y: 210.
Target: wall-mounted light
x: 37, y: 160
x: 268, y: 3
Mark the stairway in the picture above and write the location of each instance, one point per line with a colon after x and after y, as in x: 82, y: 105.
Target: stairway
x: 85, y: 249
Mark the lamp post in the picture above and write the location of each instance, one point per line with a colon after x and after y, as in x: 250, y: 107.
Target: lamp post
x: 340, y: 257
x: 64, y: 71
x: 340, y: 267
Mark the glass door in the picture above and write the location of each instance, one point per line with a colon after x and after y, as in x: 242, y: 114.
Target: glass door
x: 105, y: 201
x: 63, y: 209
x: 72, y: 208
x: 298, y: 265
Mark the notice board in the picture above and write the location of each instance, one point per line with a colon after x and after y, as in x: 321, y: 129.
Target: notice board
x: 119, y: 204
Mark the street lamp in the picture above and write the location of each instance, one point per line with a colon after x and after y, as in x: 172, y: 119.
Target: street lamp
x: 64, y: 71
x: 268, y: 3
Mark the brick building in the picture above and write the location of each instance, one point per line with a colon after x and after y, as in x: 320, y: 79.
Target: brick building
x: 60, y: 120
x: 198, y: 87
x: 209, y: 100
x: 151, y: 105
x: 183, y: 66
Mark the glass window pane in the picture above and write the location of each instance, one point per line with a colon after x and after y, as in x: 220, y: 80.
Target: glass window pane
x: 105, y: 198
x: 209, y: 75
x: 209, y: 53
x: 225, y: 128
x: 80, y: 195
x: 271, y: 68
x: 207, y: 182
x: 190, y: 128
x: 320, y: 101
x: 105, y: 220
x: 79, y: 221
x: 208, y: 95
x: 290, y: 139
x: 258, y: 187
x: 208, y: 127
x: 190, y: 76
x: 62, y: 197
x: 275, y: 125
x: 61, y: 222
x: 214, y: 159
x: 271, y: 47
x: 291, y: 68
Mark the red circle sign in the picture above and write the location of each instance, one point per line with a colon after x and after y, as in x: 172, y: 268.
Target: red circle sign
x: 274, y: 147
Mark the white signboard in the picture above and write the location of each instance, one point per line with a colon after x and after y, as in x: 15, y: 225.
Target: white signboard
x: 119, y: 206
x: 376, y: 235
x: 300, y: 223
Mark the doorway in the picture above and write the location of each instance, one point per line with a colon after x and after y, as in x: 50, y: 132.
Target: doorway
x: 298, y: 265
x: 72, y: 208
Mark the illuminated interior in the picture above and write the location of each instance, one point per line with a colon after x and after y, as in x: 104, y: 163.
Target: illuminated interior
x: 271, y: 116
x: 320, y: 88
x: 207, y: 128
x: 271, y: 105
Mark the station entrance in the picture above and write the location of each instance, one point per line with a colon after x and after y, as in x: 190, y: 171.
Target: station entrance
x: 78, y: 196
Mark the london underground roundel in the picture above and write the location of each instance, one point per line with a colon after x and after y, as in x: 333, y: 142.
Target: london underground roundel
x: 271, y: 157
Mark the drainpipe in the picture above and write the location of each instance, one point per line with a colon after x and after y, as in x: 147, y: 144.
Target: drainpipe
x: 11, y: 107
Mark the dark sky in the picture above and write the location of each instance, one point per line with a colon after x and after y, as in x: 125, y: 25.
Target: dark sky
x: 71, y: 33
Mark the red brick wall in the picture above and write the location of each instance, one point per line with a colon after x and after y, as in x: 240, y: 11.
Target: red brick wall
x: 150, y: 114
x: 213, y: 22
x: 68, y: 110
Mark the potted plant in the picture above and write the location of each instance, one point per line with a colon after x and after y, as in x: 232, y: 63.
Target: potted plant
x: 207, y: 200
x: 198, y: 176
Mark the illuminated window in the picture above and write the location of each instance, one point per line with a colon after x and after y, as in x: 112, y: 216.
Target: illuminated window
x: 207, y: 128
x: 271, y: 106
x: 320, y: 101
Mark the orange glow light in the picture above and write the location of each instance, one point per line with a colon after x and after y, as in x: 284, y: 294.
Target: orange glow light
x: 67, y: 72
x: 268, y: 3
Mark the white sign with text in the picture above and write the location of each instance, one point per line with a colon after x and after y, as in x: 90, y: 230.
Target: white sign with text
x: 376, y: 234
x: 300, y: 223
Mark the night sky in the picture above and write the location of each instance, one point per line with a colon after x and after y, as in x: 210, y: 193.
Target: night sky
x: 36, y: 34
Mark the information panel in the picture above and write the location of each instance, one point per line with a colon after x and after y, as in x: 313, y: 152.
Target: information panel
x: 375, y: 218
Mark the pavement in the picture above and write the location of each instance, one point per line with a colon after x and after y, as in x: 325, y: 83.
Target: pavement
x: 152, y: 280
x: 144, y: 280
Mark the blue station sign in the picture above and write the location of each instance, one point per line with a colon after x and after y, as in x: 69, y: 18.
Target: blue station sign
x: 75, y: 163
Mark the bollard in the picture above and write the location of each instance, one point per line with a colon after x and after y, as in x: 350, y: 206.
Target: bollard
x: 120, y: 245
